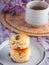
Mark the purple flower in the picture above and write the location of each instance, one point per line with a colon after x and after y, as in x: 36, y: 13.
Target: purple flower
x: 19, y: 2
x: 14, y: 7
x: 39, y: 39
x: 23, y: 8
x: 26, y: 0
x: 6, y: 8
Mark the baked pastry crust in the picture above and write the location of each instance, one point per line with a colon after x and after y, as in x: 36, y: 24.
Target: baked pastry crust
x: 20, y: 55
x: 19, y: 41
x: 19, y: 47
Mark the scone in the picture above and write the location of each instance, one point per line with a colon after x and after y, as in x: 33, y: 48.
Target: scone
x: 20, y: 55
x: 19, y: 41
x: 19, y: 47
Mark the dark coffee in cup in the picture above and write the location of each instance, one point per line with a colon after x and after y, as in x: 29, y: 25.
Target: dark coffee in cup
x: 37, y: 8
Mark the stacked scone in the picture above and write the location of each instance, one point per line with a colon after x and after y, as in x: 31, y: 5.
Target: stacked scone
x: 19, y: 47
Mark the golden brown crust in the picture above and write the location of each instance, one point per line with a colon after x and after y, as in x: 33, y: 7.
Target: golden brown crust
x: 22, y: 55
x: 19, y: 41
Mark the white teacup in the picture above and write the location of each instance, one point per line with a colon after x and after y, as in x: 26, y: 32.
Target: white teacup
x: 37, y: 17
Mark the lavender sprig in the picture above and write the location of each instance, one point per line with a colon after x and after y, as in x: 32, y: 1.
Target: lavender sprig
x: 14, y: 7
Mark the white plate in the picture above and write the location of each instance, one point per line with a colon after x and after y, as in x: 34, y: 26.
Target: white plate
x: 37, y: 54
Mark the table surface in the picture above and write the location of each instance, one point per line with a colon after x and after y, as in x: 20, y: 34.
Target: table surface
x: 5, y: 33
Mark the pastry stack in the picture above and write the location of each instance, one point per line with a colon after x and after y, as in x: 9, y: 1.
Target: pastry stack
x: 19, y: 47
